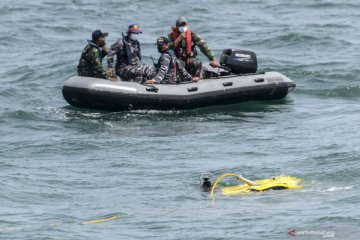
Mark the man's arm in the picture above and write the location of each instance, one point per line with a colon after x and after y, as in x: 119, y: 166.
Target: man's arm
x: 205, y: 49
x: 96, y: 62
x: 112, y: 52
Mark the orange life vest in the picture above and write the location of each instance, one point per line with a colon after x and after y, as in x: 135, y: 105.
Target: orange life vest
x: 188, y: 44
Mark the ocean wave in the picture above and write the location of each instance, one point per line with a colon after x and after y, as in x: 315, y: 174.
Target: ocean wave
x: 9, y: 92
x: 336, y: 219
x: 21, y: 115
x: 336, y: 189
x: 336, y: 82
x: 345, y: 92
x: 330, y: 26
x: 333, y: 5
x: 249, y: 111
x: 314, y: 5
x: 9, y: 9
x: 292, y: 40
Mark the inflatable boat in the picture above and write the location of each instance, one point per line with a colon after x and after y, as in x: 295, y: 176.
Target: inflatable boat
x: 237, y: 81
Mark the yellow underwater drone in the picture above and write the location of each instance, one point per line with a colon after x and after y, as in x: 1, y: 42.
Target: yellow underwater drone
x: 274, y: 183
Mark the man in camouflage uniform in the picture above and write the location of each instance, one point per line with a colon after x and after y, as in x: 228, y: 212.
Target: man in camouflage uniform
x: 185, y: 41
x: 169, y: 68
x: 90, y: 63
x: 128, y: 57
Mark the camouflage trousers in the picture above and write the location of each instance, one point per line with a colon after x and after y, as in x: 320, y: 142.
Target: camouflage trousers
x: 193, y: 67
x: 137, y: 73
x: 92, y: 72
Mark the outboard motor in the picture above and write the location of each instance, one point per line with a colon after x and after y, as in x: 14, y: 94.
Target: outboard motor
x: 239, y: 61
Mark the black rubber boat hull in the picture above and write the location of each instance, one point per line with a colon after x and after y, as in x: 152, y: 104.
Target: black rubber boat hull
x: 103, y: 94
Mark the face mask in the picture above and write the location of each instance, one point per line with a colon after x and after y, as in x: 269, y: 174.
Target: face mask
x: 101, y: 43
x: 159, y: 48
x: 133, y: 37
x: 162, y: 48
x: 183, y: 29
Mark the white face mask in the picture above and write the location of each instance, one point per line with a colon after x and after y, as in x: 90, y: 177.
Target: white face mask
x: 133, y: 37
x: 183, y: 29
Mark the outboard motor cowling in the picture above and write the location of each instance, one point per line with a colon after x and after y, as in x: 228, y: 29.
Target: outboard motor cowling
x: 239, y: 61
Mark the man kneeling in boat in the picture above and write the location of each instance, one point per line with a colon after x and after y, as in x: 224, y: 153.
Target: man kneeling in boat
x: 90, y: 63
x: 169, y: 70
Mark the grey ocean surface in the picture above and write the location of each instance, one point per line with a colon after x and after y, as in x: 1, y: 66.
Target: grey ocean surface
x: 62, y: 166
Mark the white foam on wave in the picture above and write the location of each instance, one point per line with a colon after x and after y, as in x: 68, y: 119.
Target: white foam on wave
x: 334, y: 189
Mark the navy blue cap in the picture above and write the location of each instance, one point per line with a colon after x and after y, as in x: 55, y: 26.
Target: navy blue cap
x: 134, y: 28
x: 97, y: 34
x: 162, y: 40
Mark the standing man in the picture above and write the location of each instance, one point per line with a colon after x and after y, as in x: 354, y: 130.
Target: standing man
x: 90, y: 63
x: 169, y: 69
x: 185, y: 41
x: 128, y: 56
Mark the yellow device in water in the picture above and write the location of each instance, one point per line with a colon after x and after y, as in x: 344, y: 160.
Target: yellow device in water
x: 274, y: 183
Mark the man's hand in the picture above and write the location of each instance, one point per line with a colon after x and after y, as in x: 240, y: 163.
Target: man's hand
x: 179, y: 38
x: 110, y: 71
x: 151, y: 81
x: 195, y: 79
x: 112, y: 79
x: 214, y: 63
x: 182, y: 35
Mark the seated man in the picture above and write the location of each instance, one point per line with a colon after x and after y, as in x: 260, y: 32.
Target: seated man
x: 185, y: 41
x: 169, y: 69
x: 90, y: 63
x: 128, y: 57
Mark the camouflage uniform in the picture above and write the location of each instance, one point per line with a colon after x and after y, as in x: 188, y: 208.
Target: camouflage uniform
x: 170, y: 70
x: 192, y: 64
x: 90, y: 63
x: 128, y: 59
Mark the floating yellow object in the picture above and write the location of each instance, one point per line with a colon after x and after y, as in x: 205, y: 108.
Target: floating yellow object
x: 275, y: 183
x: 105, y: 219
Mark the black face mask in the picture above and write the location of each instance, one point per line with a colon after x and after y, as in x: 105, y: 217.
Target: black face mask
x: 101, y: 43
x: 162, y: 48
x: 159, y: 48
